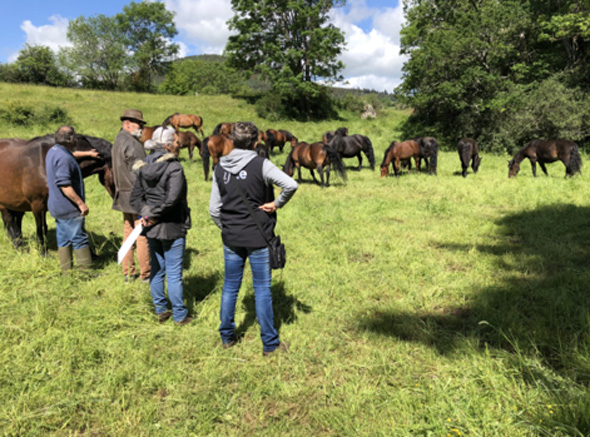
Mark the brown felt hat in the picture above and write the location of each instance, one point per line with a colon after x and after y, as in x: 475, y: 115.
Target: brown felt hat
x: 133, y: 115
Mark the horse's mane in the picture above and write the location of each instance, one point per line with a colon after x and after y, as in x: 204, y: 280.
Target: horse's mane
x: 387, y: 152
x: 341, y: 131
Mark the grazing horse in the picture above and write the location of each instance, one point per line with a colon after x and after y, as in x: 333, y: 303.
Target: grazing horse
x: 429, y: 152
x: 22, y: 170
x: 316, y: 156
x: 223, y: 129
x: 189, y: 140
x: 351, y: 146
x: 186, y: 121
x: 548, y: 151
x: 215, y: 146
x: 327, y: 137
x: 397, y: 152
x: 468, y: 151
x: 278, y: 138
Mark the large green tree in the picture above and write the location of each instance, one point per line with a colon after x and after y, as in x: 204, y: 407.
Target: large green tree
x: 289, y: 43
x: 98, y: 57
x: 477, y: 67
x: 148, y: 29
x: 37, y: 64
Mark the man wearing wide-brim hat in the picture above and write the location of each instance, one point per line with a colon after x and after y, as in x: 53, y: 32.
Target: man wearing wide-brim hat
x: 127, y: 149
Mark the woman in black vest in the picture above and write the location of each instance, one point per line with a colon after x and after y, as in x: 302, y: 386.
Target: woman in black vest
x: 241, y: 236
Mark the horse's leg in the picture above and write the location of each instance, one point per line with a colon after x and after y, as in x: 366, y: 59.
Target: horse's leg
x: 542, y: 165
x: 417, y: 159
x: 396, y: 167
x: 191, y: 148
x: 41, y: 223
x: 313, y: 176
x: 321, y: 172
x: 360, y: 161
x: 534, y: 166
x: 299, y: 172
x: 327, y: 175
x: 13, y: 224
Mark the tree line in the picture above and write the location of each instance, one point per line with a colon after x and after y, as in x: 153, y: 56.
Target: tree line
x: 503, y: 72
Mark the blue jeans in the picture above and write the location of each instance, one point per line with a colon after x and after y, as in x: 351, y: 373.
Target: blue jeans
x: 235, y: 259
x: 71, y: 232
x: 166, y: 259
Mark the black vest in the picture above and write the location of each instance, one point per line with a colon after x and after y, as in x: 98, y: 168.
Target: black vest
x: 238, y: 229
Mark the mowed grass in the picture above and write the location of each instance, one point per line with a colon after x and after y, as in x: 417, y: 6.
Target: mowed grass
x: 419, y: 305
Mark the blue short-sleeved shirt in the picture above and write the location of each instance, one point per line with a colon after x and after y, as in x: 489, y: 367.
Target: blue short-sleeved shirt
x: 62, y: 171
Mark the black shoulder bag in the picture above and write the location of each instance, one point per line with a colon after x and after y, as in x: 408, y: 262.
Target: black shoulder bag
x: 276, y: 249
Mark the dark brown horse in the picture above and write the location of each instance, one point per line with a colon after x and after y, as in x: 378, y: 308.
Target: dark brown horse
x: 428, y: 152
x: 468, y: 151
x: 548, y: 151
x: 189, y: 140
x: 24, y: 187
x: 316, y: 156
x: 215, y: 146
x: 399, y: 151
x: 327, y: 137
x: 349, y: 146
x: 185, y: 121
x: 278, y: 138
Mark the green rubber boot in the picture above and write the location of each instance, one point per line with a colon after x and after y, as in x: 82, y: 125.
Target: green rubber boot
x: 65, y: 258
x: 83, y: 258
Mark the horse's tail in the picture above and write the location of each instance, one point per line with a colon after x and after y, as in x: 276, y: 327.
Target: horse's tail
x: 288, y: 166
x: 368, y: 148
x: 270, y: 140
x: 205, y: 156
x: 575, y: 161
x: 200, y: 127
x: 167, y: 121
x: 217, y: 129
x: 434, y: 156
x: 336, y: 162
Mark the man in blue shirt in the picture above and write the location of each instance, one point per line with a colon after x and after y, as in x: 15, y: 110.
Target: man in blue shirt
x: 66, y: 200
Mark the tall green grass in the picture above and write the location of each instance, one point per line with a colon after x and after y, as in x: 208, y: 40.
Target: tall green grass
x: 414, y: 306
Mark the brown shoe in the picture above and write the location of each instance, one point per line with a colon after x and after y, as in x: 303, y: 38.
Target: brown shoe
x: 185, y: 321
x: 162, y: 317
x: 283, y: 347
x: 228, y: 345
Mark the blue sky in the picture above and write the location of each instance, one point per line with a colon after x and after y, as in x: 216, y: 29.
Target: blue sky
x: 371, y: 28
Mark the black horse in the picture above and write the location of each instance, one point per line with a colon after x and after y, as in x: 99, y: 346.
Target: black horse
x: 428, y: 152
x: 349, y: 146
x: 22, y: 168
x: 545, y: 152
x: 468, y: 151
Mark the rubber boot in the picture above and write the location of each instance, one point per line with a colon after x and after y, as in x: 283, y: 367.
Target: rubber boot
x: 83, y: 257
x: 65, y: 258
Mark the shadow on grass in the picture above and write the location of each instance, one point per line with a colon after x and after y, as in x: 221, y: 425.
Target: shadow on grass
x: 285, y: 306
x: 538, y: 308
x: 197, y: 288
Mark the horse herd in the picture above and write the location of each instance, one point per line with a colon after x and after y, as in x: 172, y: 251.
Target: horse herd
x: 22, y: 162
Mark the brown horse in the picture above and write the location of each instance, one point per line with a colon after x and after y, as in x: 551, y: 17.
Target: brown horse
x: 215, y: 146
x: 186, y: 121
x: 147, y: 132
x: 316, y: 156
x: 223, y: 129
x: 547, y: 151
x: 468, y: 151
x: 398, y: 151
x: 22, y: 170
x: 278, y: 138
x: 189, y: 140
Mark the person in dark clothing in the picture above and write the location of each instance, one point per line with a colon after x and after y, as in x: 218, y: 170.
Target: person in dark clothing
x: 241, y: 237
x: 159, y: 194
x: 66, y: 200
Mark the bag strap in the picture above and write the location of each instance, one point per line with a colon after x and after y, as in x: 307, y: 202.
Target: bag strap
x: 245, y: 200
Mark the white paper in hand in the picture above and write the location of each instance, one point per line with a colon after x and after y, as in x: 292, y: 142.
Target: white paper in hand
x: 129, y: 243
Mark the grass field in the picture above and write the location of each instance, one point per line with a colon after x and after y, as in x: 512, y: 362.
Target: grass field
x: 419, y: 305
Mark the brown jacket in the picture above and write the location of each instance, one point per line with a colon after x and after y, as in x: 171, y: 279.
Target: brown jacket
x: 126, y: 151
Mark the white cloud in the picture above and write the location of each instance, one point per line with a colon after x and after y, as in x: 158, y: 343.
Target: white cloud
x: 53, y: 35
x: 202, y: 23
x: 371, y: 57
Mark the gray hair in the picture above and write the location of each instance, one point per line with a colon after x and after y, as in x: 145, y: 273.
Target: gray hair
x: 65, y: 135
x: 244, y: 134
x: 160, y: 137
